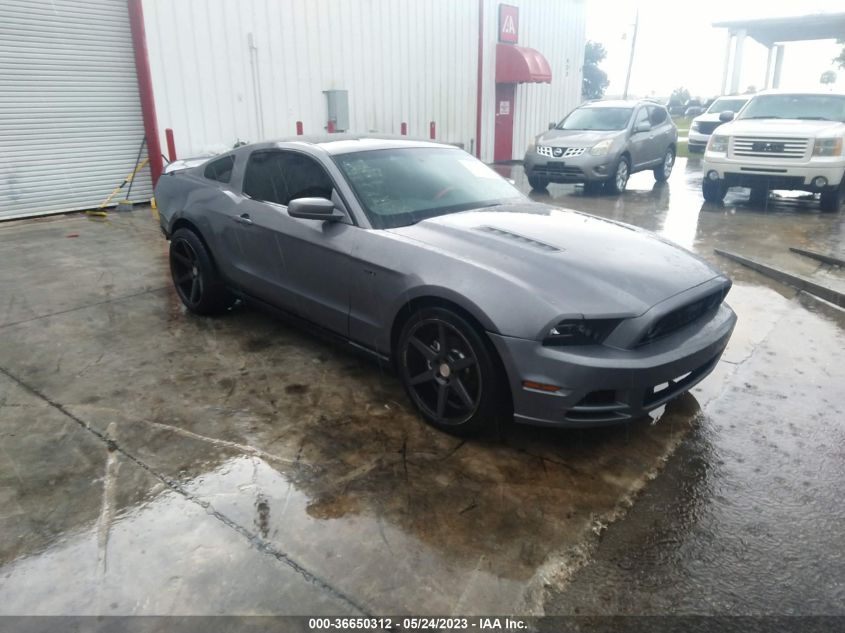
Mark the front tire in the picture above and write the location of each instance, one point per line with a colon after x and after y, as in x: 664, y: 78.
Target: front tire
x: 662, y: 173
x: 195, y: 277
x: 831, y: 201
x: 450, y: 372
x: 713, y: 190
x: 619, y: 179
x: 537, y: 183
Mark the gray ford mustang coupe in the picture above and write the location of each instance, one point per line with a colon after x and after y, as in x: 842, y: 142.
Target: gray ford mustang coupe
x: 488, y: 304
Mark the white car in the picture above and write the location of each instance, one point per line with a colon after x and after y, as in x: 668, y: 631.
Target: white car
x: 780, y: 140
x: 703, y: 125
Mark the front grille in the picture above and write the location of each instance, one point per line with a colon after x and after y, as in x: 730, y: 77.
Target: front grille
x: 560, y: 152
x: 557, y: 170
x: 707, y: 127
x: 769, y: 147
x: 683, y: 316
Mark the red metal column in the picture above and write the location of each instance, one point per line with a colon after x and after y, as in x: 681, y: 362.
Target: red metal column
x: 299, y: 130
x: 145, y: 86
x: 432, y: 130
x: 171, y: 144
x: 479, y: 79
x: 403, y: 129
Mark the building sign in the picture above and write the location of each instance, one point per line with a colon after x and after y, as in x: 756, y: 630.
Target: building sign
x: 508, y: 24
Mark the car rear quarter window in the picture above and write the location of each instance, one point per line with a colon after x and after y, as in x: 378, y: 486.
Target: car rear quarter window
x: 220, y: 169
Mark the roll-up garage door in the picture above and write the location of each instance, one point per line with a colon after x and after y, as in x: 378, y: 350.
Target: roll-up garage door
x: 70, y: 115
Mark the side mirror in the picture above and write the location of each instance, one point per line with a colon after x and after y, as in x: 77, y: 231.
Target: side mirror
x: 314, y: 209
x: 726, y: 116
x: 643, y: 126
x: 552, y: 125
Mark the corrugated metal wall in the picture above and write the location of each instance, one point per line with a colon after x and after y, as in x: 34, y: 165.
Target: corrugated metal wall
x: 400, y: 60
x: 70, y: 117
x: 556, y: 28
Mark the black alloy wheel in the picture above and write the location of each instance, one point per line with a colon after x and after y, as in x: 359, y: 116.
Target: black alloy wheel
x: 194, y: 275
x: 449, y: 372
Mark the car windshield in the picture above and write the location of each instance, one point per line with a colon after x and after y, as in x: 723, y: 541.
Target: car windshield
x: 820, y: 107
x: 399, y: 187
x: 600, y: 119
x: 727, y: 105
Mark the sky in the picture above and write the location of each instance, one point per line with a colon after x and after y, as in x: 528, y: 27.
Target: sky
x: 678, y: 46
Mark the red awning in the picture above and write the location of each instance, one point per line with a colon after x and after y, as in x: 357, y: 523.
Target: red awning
x: 519, y: 64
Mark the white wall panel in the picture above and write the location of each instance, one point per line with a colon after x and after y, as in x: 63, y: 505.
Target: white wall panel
x: 401, y: 60
x: 555, y: 28
x: 70, y: 115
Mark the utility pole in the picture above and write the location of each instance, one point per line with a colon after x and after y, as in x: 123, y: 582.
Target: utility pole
x: 631, y: 58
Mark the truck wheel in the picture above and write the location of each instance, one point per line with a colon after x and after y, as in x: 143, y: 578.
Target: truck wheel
x: 759, y: 196
x: 537, y: 183
x: 713, y: 190
x: 593, y: 187
x: 832, y: 200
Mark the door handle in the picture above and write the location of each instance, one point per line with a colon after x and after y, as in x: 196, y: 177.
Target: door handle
x: 243, y: 218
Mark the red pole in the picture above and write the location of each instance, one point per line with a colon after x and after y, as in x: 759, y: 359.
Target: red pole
x: 330, y: 127
x: 432, y: 131
x: 403, y: 129
x: 171, y: 144
x: 299, y: 128
x: 479, y: 78
x: 145, y: 87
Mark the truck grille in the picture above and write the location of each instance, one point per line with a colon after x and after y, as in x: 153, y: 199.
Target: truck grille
x: 560, y: 152
x: 770, y: 147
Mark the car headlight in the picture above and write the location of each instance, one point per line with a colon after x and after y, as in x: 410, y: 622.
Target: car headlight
x: 827, y: 147
x: 601, y: 148
x: 718, y: 143
x: 580, y: 332
x: 694, y: 127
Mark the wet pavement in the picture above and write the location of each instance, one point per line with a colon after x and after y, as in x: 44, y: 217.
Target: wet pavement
x: 171, y: 464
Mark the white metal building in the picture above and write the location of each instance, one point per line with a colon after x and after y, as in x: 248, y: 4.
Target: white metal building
x: 485, y: 74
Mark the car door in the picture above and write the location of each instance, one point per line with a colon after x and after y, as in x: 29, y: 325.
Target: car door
x: 640, y: 143
x: 663, y: 131
x: 302, y: 266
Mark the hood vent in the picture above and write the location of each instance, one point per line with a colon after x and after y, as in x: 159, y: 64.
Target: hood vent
x: 527, y: 241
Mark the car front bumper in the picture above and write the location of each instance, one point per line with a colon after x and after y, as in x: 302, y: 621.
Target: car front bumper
x: 600, y: 385
x: 697, y: 142
x: 583, y: 168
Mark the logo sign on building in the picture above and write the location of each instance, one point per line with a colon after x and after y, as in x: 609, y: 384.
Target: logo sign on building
x: 508, y: 24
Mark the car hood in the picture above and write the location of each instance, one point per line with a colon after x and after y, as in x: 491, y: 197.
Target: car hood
x: 578, y: 263
x: 782, y: 127
x: 578, y: 138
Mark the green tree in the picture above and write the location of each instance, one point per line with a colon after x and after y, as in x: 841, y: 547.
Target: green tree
x: 594, y: 81
x: 828, y: 77
x: 679, y: 95
x: 841, y: 58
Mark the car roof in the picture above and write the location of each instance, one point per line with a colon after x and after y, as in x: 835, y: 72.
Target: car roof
x: 781, y: 91
x: 344, y: 142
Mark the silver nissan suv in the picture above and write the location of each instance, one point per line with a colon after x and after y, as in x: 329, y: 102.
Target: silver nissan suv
x: 602, y: 143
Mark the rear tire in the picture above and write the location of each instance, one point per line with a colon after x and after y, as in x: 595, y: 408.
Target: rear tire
x: 537, y: 183
x: 451, y: 374
x: 831, y: 201
x: 195, y: 276
x: 662, y: 173
x: 713, y: 190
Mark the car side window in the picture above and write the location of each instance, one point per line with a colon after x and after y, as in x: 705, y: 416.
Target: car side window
x: 305, y: 177
x: 263, y: 179
x: 220, y: 169
x: 658, y: 115
x: 642, y: 117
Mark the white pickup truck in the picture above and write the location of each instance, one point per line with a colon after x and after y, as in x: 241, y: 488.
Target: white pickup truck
x: 780, y: 140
